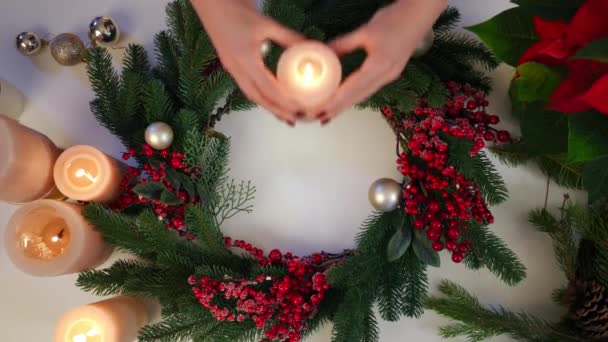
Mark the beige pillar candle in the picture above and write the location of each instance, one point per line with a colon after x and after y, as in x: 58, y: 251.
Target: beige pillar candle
x: 52, y: 238
x: 26, y: 162
x: 84, y: 173
x: 12, y: 100
x: 311, y: 71
x: 112, y: 320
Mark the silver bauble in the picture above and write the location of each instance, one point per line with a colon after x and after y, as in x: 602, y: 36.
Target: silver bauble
x: 104, y: 31
x: 385, y: 194
x: 266, y: 47
x: 159, y: 135
x: 67, y: 49
x: 28, y: 43
x: 425, y: 44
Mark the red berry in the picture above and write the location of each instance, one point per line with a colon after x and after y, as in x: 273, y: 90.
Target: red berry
x: 453, y: 233
x: 451, y: 245
x: 457, y: 257
x: 471, y: 105
x: 503, y: 136
x: 490, y: 219
x: 437, y: 246
x: 317, y: 259
x: 419, y: 224
x: 126, y: 156
x: 493, y: 119
x: 463, y: 248
x: 435, y: 225
x: 433, y: 234
x: 489, y: 136
x: 275, y: 255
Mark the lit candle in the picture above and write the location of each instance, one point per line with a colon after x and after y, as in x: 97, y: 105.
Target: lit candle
x: 86, y: 174
x: 52, y: 238
x: 112, y: 320
x: 26, y: 163
x: 11, y: 100
x: 311, y: 71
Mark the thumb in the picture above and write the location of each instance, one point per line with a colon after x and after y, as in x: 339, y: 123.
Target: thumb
x: 348, y: 43
x: 283, y: 36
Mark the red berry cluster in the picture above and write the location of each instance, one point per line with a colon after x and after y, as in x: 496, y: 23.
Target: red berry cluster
x: 155, y: 171
x: 278, y: 305
x: 441, y: 199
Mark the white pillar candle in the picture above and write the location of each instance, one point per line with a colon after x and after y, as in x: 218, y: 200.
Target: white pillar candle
x: 52, y: 238
x: 311, y: 71
x: 84, y: 173
x: 112, y: 320
x: 11, y: 100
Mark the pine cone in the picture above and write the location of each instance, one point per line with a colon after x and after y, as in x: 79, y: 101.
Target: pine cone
x: 589, y: 308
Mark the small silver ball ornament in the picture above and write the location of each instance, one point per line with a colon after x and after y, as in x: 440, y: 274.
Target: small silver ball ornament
x: 28, y: 43
x: 67, y: 49
x: 159, y: 135
x: 425, y: 44
x: 385, y: 194
x: 104, y: 31
x: 266, y: 47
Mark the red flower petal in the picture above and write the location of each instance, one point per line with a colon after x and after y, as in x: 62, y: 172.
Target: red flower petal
x: 588, y: 24
x: 550, y: 52
x: 571, y: 96
x: 597, y: 96
x: 550, y: 29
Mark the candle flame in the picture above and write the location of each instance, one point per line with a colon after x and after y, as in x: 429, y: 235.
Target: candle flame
x: 83, y: 173
x: 309, y: 72
x: 93, y: 332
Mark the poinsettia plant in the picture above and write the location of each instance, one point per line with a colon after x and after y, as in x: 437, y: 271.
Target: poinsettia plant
x: 560, y: 87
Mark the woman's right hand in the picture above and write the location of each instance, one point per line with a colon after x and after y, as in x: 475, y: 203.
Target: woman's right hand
x: 238, y: 31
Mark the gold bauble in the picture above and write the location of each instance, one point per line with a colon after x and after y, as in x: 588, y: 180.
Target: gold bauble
x: 67, y: 49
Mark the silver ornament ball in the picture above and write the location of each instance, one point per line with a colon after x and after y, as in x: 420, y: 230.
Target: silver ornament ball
x: 266, y: 47
x: 159, y: 135
x: 425, y: 44
x: 67, y: 49
x: 104, y: 31
x: 385, y: 194
x: 28, y: 43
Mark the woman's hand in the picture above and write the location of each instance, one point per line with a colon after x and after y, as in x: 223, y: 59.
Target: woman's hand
x: 389, y: 38
x: 237, y: 31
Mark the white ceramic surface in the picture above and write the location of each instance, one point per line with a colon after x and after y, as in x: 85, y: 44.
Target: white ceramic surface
x: 312, y: 182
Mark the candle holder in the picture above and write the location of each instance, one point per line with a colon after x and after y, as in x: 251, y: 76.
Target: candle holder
x: 52, y: 238
x: 113, y: 320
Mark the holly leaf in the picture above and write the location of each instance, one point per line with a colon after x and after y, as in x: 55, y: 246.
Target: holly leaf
x: 423, y: 248
x: 535, y: 82
x: 588, y: 136
x: 181, y: 181
x: 596, y: 50
x: 151, y: 190
x: 544, y: 131
x: 399, y: 243
x: 509, y: 34
x: 169, y: 198
x: 595, y: 179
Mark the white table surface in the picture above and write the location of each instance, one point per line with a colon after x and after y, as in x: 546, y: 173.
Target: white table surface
x: 312, y: 182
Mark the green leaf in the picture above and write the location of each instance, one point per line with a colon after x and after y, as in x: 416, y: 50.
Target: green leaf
x: 169, y: 198
x: 181, y: 181
x: 152, y: 190
x: 536, y: 82
x: 399, y: 243
x: 562, y: 10
x: 588, y: 136
x: 424, y: 250
x: 544, y: 131
x: 509, y: 34
x: 595, y: 179
x: 597, y: 50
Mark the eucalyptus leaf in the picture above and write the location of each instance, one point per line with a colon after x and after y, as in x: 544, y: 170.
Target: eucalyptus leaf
x: 399, y: 243
x: 151, y: 190
x: 169, y: 198
x: 423, y: 248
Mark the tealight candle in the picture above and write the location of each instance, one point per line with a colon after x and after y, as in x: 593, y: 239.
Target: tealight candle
x: 11, y: 100
x: 311, y: 71
x: 52, y: 238
x: 112, y: 320
x: 86, y: 174
x: 26, y: 163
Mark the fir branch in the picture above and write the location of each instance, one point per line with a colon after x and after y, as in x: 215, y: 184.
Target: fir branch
x: 167, y: 70
x: 564, y: 245
x: 448, y: 20
x: 110, y: 281
x: 464, y: 49
x: 352, y: 321
x: 177, y: 328
x: 490, y: 251
x: 415, y: 285
x: 136, y: 61
x: 202, y: 222
x: 158, y: 104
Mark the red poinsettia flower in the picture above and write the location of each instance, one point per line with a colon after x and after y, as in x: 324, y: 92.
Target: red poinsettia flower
x: 585, y: 88
x: 560, y: 40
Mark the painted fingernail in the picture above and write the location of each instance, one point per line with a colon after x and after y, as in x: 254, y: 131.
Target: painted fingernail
x: 291, y: 123
x: 300, y: 114
x: 321, y: 114
x: 325, y: 122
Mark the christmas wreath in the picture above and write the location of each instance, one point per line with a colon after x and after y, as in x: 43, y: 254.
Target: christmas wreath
x: 560, y: 49
x: 173, y: 203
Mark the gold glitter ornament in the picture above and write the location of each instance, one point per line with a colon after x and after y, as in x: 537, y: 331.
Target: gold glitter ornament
x: 67, y: 49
